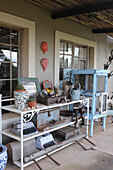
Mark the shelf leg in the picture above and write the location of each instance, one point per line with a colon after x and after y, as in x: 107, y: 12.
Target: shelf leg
x: 21, y: 141
x: 87, y: 128
x: 93, y: 110
x: 0, y: 120
x: 104, y: 123
x: 91, y: 128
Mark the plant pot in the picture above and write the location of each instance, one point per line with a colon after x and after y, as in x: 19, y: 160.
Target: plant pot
x: 3, y: 157
x: 31, y: 104
x: 20, y: 90
x: 20, y: 98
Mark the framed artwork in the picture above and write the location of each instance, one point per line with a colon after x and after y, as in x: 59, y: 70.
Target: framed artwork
x: 31, y: 85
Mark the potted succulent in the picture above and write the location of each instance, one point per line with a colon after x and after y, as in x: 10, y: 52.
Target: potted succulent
x: 20, y: 88
x: 20, y: 95
x: 3, y: 156
x: 32, y: 101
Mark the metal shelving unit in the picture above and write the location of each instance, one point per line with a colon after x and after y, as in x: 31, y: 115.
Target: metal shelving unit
x: 22, y: 138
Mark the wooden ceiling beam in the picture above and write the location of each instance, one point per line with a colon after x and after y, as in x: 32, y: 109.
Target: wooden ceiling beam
x: 83, y: 9
x: 103, y: 30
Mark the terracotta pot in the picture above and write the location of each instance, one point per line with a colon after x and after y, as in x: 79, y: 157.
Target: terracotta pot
x: 31, y: 104
x: 20, y: 90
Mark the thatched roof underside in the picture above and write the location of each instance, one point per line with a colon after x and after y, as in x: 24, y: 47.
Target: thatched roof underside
x: 97, y: 14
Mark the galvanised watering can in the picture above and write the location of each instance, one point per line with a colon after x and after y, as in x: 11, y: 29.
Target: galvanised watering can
x: 75, y: 92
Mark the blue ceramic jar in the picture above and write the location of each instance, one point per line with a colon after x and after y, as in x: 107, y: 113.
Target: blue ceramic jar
x: 3, y: 157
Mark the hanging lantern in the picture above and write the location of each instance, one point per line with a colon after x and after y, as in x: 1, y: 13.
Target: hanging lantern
x: 44, y: 63
x: 44, y: 47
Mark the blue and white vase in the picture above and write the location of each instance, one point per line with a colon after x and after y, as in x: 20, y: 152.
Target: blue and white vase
x: 3, y: 157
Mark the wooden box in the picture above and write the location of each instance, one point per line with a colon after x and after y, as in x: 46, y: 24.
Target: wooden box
x: 66, y: 133
x: 50, y: 100
x: 44, y: 117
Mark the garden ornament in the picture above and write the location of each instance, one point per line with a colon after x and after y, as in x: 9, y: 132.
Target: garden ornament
x: 44, y: 63
x: 44, y: 47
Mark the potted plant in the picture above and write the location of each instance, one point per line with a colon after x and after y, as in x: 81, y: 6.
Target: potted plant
x: 3, y: 157
x: 20, y: 95
x: 32, y: 101
x: 20, y: 88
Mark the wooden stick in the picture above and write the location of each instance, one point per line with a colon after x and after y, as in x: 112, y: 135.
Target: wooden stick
x: 89, y: 141
x: 80, y: 145
x: 52, y: 159
x: 37, y: 164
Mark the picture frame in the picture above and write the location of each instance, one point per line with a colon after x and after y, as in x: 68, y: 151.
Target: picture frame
x: 31, y: 85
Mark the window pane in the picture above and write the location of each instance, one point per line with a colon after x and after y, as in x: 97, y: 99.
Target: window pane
x: 61, y: 48
x: 16, y: 70
x: 61, y: 74
x: 4, y: 53
x: 5, y: 88
x: 67, y: 73
x: 67, y: 61
x: 82, y: 64
x: 14, y: 36
x: 10, y: 59
x: 75, y: 64
x: 4, y: 35
x: 68, y: 48
x: 4, y: 70
x: 15, y: 52
x: 14, y: 84
x: 83, y: 53
x: 61, y: 60
x: 61, y: 85
x: 76, y: 51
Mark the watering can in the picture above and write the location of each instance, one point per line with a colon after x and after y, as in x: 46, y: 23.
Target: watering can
x: 75, y: 93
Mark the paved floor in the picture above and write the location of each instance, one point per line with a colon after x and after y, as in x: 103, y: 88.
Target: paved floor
x: 75, y: 158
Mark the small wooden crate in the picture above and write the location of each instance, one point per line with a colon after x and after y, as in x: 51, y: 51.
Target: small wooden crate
x: 50, y: 100
x: 66, y: 133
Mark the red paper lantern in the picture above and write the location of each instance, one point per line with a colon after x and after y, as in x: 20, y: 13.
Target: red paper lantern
x: 44, y: 63
x: 44, y: 47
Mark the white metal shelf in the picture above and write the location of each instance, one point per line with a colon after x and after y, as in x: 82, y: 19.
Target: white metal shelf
x: 23, y: 138
x: 11, y: 135
x: 31, y: 136
x: 12, y: 108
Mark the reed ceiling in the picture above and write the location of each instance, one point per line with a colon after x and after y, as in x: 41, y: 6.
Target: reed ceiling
x: 97, y: 14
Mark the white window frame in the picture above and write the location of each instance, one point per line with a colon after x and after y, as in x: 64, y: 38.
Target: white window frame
x: 61, y: 35
x: 30, y: 26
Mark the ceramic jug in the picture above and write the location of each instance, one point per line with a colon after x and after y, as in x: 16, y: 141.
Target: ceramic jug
x: 75, y: 92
